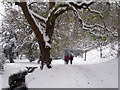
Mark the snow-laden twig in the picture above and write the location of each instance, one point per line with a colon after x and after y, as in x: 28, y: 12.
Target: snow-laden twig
x: 99, y: 28
x: 99, y: 13
x: 87, y: 1
x: 52, y: 10
x: 59, y: 9
x: 75, y: 9
x: 92, y: 28
x: 103, y: 27
x: 81, y: 5
x: 38, y: 16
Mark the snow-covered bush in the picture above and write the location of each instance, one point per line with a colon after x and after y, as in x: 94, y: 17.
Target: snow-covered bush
x: 17, y: 80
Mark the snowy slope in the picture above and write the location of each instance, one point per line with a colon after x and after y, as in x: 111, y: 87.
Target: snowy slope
x: 94, y: 73
x: 102, y: 75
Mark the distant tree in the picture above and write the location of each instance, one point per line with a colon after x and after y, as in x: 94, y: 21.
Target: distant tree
x: 16, y: 30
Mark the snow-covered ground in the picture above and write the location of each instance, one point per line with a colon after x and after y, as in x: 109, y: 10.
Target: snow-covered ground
x: 96, y: 72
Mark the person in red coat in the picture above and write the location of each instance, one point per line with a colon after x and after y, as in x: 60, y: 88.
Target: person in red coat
x: 67, y: 58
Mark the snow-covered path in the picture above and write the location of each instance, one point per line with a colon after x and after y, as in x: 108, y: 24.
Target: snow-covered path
x: 93, y: 73
x: 103, y: 75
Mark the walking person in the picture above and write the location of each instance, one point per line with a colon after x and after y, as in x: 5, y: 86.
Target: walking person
x: 67, y: 59
x: 71, y: 58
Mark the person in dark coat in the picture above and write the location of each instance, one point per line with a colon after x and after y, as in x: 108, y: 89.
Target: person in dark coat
x: 71, y: 59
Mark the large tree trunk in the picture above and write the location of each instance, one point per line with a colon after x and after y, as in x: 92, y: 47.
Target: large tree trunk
x: 45, y: 56
x: 45, y: 50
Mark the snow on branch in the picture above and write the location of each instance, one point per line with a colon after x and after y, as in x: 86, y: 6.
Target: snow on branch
x: 51, y: 11
x: 84, y: 26
x: 81, y: 4
x: 78, y: 6
x: 62, y: 8
x: 72, y: 6
x: 99, y: 13
x: 59, y: 9
x: 95, y: 11
x: 91, y: 28
x: 87, y: 1
x: 42, y: 19
x: 54, y: 12
x: 98, y: 28
x: 43, y: 32
x: 76, y: 10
